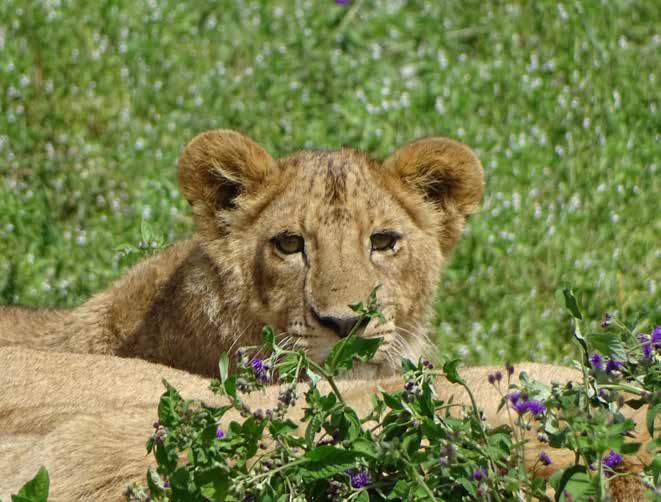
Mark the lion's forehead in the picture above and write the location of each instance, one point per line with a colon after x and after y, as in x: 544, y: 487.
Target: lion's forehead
x: 334, y: 187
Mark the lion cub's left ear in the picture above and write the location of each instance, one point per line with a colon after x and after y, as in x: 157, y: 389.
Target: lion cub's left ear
x: 446, y: 173
x: 217, y: 170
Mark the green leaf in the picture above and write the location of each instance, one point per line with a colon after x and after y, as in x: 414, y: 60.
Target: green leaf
x: 353, y: 424
x: 167, y: 406
x: 609, y: 344
x: 125, y: 249
x: 213, y: 483
x: 288, y: 366
x: 451, y: 373
x: 407, y: 365
x: 365, y: 446
x: 571, y: 304
x: 155, y: 483
x: 399, y: 492
x: 352, y: 347
x: 363, y: 497
x: 166, y: 456
x: 278, y: 427
x: 314, y: 378
x: 311, y: 430
x: 392, y: 401
x: 576, y: 482
x: 180, y: 485
x: 147, y: 232
x: 326, y: 461
x: 269, y: 336
x: 229, y: 386
x: 224, y: 366
x: 35, y: 490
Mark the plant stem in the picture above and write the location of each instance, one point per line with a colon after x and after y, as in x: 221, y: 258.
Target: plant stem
x: 281, y: 468
x: 602, y: 489
x: 577, y: 333
x: 422, y: 484
x: 329, y: 379
x: 625, y: 387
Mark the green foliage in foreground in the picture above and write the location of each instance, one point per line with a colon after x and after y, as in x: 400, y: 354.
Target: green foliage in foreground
x: 411, y: 446
x: 560, y: 100
x: 35, y: 490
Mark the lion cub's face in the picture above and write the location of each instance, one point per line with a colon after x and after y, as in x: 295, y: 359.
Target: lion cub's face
x: 314, y: 232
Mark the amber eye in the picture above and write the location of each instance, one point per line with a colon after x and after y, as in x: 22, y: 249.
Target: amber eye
x: 288, y: 243
x: 384, y: 241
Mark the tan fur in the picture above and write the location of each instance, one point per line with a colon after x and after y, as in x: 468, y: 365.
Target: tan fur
x: 87, y: 418
x: 187, y: 304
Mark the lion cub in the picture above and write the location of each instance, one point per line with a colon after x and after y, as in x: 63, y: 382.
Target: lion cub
x: 287, y: 242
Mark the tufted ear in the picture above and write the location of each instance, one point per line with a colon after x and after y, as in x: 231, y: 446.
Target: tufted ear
x: 446, y: 173
x: 218, y: 167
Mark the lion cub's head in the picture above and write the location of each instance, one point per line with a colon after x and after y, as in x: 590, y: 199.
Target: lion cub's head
x: 302, y: 237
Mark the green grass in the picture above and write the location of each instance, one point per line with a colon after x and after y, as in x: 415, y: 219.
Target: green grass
x: 561, y: 102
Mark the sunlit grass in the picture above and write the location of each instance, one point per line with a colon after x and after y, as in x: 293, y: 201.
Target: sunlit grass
x: 560, y: 101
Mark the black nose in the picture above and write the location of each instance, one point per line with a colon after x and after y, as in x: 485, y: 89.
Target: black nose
x: 341, y: 325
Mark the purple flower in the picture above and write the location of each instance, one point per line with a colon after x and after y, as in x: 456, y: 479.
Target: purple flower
x: 596, y: 361
x: 498, y: 375
x: 479, y: 474
x: 220, y: 433
x: 613, y: 365
x: 656, y: 337
x: 544, y: 458
x: 257, y: 365
x: 342, y: 2
x: 359, y: 479
x: 509, y: 368
x: 428, y: 365
x: 647, y: 352
x: 612, y: 460
x: 260, y: 369
x: 643, y: 338
x: 166, y: 484
x: 533, y: 406
x: 514, y: 397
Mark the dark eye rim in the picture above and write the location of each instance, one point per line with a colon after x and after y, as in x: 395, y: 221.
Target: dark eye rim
x: 391, y: 234
x: 277, y: 242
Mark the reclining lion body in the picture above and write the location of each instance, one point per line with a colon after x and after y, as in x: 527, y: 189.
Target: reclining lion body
x: 289, y: 243
x: 86, y: 418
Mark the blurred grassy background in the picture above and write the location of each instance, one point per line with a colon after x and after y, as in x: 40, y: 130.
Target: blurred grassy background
x: 560, y: 100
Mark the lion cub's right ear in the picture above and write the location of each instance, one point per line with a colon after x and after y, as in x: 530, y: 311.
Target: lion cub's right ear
x: 217, y: 170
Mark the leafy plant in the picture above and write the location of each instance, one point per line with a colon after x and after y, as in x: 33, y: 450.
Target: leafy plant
x: 35, y: 490
x: 411, y: 446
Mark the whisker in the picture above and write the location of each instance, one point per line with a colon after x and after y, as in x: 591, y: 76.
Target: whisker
x: 230, y: 350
